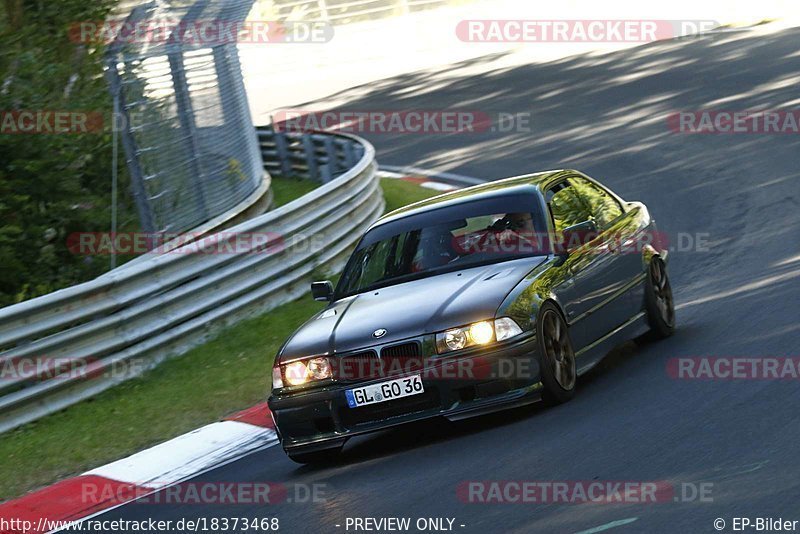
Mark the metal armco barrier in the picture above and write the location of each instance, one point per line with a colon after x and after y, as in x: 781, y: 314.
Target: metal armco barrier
x: 313, y: 156
x: 164, y: 305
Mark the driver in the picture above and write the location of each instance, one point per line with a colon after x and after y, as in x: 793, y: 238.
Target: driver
x: 436, y: 248
x: 521, y: 223
x: 515, y: 232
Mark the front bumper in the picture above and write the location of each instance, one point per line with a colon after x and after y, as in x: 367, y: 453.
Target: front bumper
x: 484, y: 379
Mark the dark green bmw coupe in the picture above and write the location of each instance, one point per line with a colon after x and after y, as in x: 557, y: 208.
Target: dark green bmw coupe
x: 472, y: 301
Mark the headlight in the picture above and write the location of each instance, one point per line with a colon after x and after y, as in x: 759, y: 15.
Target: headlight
x: 299, y: 372
x: 481, y: 333
x: 455, y: 339
x: 277, y: 379
x: 506, y: 328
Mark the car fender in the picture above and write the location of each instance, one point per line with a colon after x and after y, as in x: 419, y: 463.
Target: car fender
x: 524, y: 301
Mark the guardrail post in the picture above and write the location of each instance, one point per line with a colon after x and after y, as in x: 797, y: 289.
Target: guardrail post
x: 311, y: 157
x: 358, y: 150
x: 349, y: 154
x: 325, y: 173
x: 330, y: 150
x: 282, y: 147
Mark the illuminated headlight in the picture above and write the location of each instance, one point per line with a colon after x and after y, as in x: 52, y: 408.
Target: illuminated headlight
x: 467, y: 336
x: 471, y: 335
x: 481, y: 333
x: 301, y: 371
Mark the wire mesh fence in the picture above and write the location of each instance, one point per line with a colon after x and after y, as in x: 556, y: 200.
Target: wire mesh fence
x: 184, y: 119
x: 185, y: 123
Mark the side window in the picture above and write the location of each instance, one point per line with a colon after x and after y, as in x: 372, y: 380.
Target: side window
x: 604, y: 208
x: 566, y: 206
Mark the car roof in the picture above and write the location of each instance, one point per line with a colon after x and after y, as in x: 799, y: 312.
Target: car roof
x: 528, y: 183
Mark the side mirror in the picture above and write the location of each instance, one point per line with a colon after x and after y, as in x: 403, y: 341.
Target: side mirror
x: 577, y: 235
x: 322, y: 291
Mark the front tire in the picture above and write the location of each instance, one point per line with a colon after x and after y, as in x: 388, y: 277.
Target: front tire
x: 557, y: 358
x: 659, y: 304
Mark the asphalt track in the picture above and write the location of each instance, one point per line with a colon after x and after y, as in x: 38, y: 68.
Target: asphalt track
x: 630, y: 420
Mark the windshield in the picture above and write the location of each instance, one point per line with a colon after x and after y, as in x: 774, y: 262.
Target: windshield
x: 433, y: 243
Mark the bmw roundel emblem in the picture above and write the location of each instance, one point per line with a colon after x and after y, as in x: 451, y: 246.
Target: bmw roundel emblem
x: 380, y: 332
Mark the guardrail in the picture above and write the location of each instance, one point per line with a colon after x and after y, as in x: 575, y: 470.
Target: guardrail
x: 313, y: 156
x: 165, y: 304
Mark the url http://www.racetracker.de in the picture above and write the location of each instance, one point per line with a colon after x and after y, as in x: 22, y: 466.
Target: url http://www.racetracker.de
x: 198, y: 524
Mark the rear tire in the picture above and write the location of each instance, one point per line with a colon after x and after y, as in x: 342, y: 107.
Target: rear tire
x: 325, y: 456
x: 659, y: 304
x: 557, y: 358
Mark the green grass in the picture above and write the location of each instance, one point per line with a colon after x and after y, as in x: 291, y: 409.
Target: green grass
x: 285, y: 190
x: 222, y: 376
x: 399, y: 193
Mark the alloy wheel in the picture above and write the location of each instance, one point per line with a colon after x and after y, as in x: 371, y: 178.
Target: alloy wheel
x: 558, y: 349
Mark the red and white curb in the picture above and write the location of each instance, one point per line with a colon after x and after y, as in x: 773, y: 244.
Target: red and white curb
x: 421, y: 181
x: 173, y: 461
x: 430, y: 179
x: 142, y: 473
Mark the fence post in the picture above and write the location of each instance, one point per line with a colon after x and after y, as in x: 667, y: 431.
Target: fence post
x: 138, y: 188
x: 227, y: 56
x: 186, y: 118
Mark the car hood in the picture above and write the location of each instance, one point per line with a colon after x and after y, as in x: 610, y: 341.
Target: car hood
x: 408, y: 309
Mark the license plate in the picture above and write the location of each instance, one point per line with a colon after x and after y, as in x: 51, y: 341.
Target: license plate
x: 385, y: 391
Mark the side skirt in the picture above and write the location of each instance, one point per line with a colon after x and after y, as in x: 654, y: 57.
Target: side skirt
x: 630, y: 329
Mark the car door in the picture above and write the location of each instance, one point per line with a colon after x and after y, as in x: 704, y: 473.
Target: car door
x: 615, y: 268
x: 575, y: 273
x: 593, y: 270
